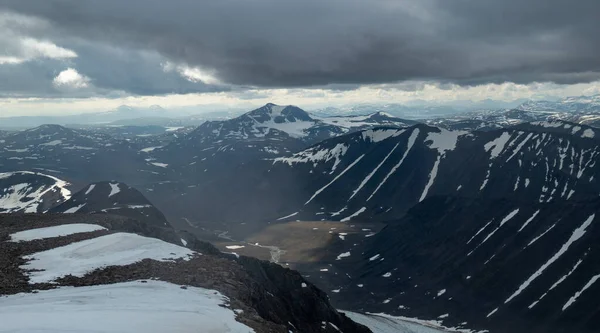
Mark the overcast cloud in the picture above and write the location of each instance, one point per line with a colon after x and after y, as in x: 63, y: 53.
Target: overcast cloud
x: 153, y: 47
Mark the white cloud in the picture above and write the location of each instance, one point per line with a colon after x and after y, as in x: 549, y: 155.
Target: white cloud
x: 18, y: 46
x: 195, y: 74
x: 70, y: 78
x: 17, y: 50
x: 9, y: 60
x: 33, y: 48
x: 192, y: 74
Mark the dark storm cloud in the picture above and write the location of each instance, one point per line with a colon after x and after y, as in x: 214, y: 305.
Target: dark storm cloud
x: 112, y: 72
x: 133, y: 71
x: 280, y: 43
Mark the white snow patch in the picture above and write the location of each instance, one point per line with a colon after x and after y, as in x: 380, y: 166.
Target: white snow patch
x: 184, y: 242
x: 574, y: 298
x: 441, y: 292
x: 149, y: 149
x: 287, y: 216
x: 343, y: 255
x: 432, y: 176
x: 492, y: 313
x: 74, y: 209
x: 52, y: 143
x: 373, y: 258
x: 529, y: 220
x: 90, y: 189
x: 114, y: 189
x: 235, y: 247
x: 160, y: 165
x: 387, y: 275
x: 497, y: 146
x: 588, y: 133
x: 360, y: 211
x: 443, y: 141
x: 383, y: 323
x: 50, y: 232
x: 377, y: 135
x: 480, y: 231
x: 80, y: 258
x: 316, y: 155
x: 151, y: 307
x: 138, y: 206
x: 541, y: 235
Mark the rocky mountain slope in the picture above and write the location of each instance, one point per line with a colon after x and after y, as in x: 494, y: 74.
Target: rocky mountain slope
x: 112, y: 198
x: 292, y: 121
x: 31, y: 192
x: 379, y: 174
x: 52, y: 252
x: 502, y: 265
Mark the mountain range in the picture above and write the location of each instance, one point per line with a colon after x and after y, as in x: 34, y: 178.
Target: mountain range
x: 479, y: 222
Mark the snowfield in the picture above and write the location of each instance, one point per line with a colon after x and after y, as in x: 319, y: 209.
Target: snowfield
x: 117, y: 249
x: 379, y: 324
x: 49, y: 232
x: 383, y: 323
x: 152, y: 307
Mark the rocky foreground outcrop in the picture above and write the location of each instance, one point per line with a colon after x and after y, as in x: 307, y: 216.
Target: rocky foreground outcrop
x: 272, y: 298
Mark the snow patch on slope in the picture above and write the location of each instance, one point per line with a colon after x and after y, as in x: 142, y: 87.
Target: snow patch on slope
x: 151, y: 307
x: 114, y: 189
x: 496, y: 146
x: 57, y: 231
x: 378, y: 135
x: 117, y: 249
x: 316, y: 156
x: 443, y: 141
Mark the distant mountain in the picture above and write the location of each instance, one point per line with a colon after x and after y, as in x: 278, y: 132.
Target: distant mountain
x: 85, y: 156
x: 568, y: 104
x: 294, y: 122
x: 3, y: 134
x: 379, y: 174
x: 125, y: 115
x: 113, y: 198
x: 122, y: 112
x: 31, y: 192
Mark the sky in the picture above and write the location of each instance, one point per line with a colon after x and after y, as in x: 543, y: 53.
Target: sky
x: 69, y: 56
